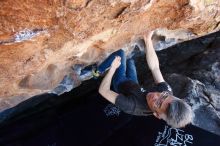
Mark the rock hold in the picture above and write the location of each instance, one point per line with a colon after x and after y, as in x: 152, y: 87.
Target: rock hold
x: 164, y: 38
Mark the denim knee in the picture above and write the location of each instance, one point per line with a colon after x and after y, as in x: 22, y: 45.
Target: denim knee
x: 120, y: 53
x: 130, y: 61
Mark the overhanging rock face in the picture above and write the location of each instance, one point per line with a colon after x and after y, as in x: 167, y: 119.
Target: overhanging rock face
x: 41, y: 42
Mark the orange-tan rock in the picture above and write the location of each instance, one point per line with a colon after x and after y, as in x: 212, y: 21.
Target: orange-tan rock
x: 41, y: 40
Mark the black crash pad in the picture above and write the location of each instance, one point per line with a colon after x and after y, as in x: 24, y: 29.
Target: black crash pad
x: 96, y: 122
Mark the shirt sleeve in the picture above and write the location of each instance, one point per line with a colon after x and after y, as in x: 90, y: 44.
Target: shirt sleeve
x: 126, y: 103
x: 164, y: 86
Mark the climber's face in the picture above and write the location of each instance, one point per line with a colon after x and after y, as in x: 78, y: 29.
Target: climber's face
x: 158, y: 103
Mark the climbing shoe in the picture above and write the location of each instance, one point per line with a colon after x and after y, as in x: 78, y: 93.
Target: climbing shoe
x: 95, y: 73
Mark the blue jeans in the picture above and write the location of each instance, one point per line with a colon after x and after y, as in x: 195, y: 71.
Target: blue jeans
x: 126, y: 71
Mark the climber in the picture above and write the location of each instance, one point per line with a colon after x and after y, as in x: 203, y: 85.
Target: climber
x: 127, y: 94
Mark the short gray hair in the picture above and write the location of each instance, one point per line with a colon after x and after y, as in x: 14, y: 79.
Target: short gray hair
x: 178, y: 113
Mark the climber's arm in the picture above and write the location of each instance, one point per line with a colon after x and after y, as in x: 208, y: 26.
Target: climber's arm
x: 152, y: 59
x: 104, y: 88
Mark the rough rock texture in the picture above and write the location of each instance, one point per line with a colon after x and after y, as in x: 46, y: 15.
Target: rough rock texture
x: 40, y: 41
x: 192, y: 68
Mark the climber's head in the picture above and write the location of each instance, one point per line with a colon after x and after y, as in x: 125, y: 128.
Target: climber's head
x: 176, y: 112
